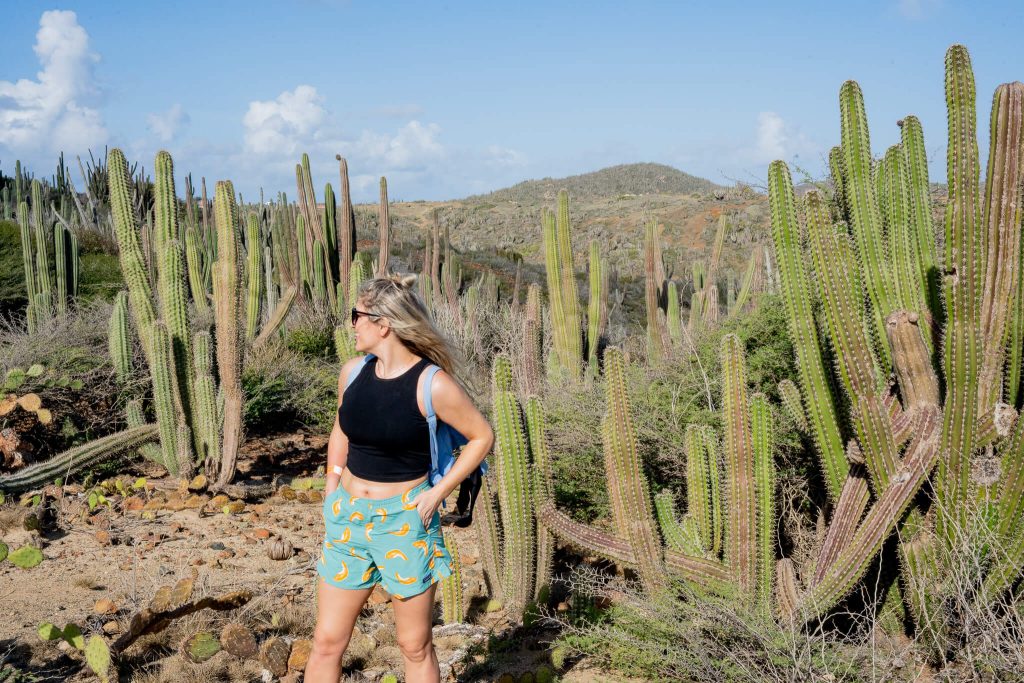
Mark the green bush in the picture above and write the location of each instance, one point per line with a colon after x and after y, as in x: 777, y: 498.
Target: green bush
x: 312, y: 342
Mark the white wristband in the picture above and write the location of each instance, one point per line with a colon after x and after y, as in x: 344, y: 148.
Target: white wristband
x: 336, y: 470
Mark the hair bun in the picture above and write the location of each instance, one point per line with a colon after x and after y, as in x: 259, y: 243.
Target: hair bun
x: 404, y: 281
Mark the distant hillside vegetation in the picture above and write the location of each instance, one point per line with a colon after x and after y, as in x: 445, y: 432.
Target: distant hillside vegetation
x: 608, y: 182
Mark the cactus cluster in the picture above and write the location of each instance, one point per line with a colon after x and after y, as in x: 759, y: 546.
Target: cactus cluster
x: 869, y: 254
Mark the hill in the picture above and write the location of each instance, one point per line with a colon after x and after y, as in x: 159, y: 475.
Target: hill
x: 637, y: 179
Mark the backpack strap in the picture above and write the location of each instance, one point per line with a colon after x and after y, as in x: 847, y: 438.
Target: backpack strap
x: 357, y: 369
x: 428, y: 405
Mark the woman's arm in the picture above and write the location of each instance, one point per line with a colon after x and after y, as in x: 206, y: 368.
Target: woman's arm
x: 337, y: 445
x: 454, y: 407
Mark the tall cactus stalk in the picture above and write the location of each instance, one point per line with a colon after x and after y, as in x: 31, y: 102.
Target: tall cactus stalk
x: 384, y: 231
x: 45, y: 288
x: 566, y: 362
x: 597, y: 306
x: 453, y: 604
x: 118, y: 337
x: 346, y: 227
x: 227, y: 298
x: 741, y: 532
x: 657, y: 335
x: 29, y: 265
x: 253, y: 277
x: 514, y: 491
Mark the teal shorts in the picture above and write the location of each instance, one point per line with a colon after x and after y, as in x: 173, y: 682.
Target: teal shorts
x: 382, y: 540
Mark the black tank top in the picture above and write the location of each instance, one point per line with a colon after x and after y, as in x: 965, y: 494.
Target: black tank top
x: 388, y: 437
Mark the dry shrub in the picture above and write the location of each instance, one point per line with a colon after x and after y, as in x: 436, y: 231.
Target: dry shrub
x: 686, y: 636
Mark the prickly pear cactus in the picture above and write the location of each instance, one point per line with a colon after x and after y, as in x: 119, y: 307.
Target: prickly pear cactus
x: 200, y: 647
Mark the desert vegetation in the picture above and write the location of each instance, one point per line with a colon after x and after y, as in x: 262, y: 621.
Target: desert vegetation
x: 748, y: 437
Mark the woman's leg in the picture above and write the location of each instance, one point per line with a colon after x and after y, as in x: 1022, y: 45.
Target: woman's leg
x: 336, y: 617
x: 413, y: 621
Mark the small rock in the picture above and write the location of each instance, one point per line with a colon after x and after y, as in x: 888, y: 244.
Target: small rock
x: 467, y: 559
x: 262, y: 533
x: 300, y: 654
x: 104, y: 606
x: 111, y: 627
x: 217, y: 545
x: 197, y: 562
x: 226, y: 554
x: 379, y: 596
x: 133, y: 504
x: 102, y: 537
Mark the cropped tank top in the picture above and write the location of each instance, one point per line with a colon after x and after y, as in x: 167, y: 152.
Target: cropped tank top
x: 388, y: 437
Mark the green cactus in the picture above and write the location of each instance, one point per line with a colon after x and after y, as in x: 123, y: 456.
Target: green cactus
x: 347, y: 229
x: 119, y: 337
x: 383, y: 231
x: 532, y: 341
x: 597, y: 308
x: 253, y: 277
x: 26, y: 557
x: 514, y: 491
x: 45, y: 287
x: 566, y: 361
x: 452, y: 599
x: 658, y: 341
x: 165, y: 395
x: 543, y: 490
x: 97, y: 656
x: 28, y: 261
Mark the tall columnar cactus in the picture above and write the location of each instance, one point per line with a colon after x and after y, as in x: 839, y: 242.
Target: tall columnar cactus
x: 544, y: 490
x: 514, y: 491
x: 632, y: 513
x: 892, y: 236
x: 453, y: 601
x: 384, y: 231
x: 566, y: 362
x: 532, y: 342
x: 253, y: 277
x: 118, y: 337
x: 45, y: 288
x: 658, y: 340
x: 227, y: 299
x: 346, y: 227
x: 694, y: 549
x: 207, y: 426
x: 29, y: 264
x: 597, y: 306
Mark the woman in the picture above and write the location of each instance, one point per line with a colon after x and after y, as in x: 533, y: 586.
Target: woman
x: 380, y: 509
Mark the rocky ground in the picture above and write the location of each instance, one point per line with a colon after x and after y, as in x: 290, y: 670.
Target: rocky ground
x: 104, y: 564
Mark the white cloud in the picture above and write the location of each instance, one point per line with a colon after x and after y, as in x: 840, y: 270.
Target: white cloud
x: 165, y: 126
x: 414, y: 145
x: 281, y: 126
x: 49, y: 113
x: 771, y: 136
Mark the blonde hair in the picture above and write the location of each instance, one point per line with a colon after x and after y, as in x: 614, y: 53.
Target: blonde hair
x: 394, y: 298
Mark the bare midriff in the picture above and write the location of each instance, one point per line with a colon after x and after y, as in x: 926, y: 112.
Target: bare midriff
x: 376, y: 489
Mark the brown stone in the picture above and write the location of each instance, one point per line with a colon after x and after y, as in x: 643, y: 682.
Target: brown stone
x: 102, y: 537
x: 133, y: 503
x: 261, y: 533
x: 198, y: 561
x: 299, y: 654
x: 111, y: 627
x: 468, y: 559
x: 379, y: 596
x: 260, y: 508
x: 226, y: 554
x: 104, y: 606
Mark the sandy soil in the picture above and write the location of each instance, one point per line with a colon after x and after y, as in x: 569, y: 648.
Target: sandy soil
x: 102, y: 566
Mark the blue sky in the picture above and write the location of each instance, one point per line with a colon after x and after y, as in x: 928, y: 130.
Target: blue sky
x: 453, y: 98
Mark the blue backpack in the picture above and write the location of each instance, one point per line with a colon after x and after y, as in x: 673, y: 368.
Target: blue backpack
x: 444, y: 439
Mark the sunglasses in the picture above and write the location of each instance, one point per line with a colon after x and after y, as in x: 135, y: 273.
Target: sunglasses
x: 356, y: 313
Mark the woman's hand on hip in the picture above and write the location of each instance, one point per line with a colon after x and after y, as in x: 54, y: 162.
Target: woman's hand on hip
x: 427, y: 503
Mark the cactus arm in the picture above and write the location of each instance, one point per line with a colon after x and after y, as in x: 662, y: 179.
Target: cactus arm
x: 560, y: 361
x: 27, y: 260
x: 964, y: 263
x: 741, y: 530
x: 628, y: 490
x: 847, y: 514
x: 821, y: 409
x: 543, y: 488
x: 787, y: 588
x: 489, y: 537
x: 680, y: 535
x: 656, y: 336
x: 1002, y: 221
x: 598, y: 298
x: 227, y: 296
x: 254, y: 277
x: 915, y: 161
x: 277, y: 317
x: 166, y: 401
x: 791, y: 401
x: 118, y: 337
x: 865, y: 217
x: 764, y: 476
x: 514, y: 490
x: 881, y: 519
x: 570, y: 295
x: 698, y: 485
x: 100, y: 450
x: 133, y: 263
x: 194, y: 261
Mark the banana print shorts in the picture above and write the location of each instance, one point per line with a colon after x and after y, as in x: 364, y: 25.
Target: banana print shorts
x: 382, y: 540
